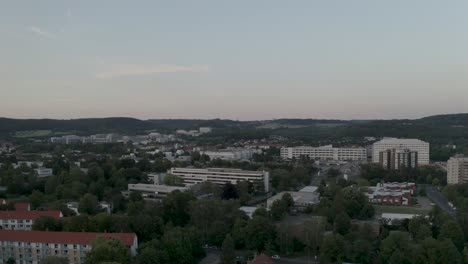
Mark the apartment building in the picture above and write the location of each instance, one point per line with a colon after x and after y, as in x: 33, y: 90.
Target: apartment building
x: 221, y: 176
x: 457, y: 170
x: 394, y: 159
x: 23, y: 220
x: 32, y: 246
x: 325, y: 153
x: 401, y: 144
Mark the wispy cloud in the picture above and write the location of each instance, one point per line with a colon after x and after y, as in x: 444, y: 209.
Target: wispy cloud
x: 129, y: 70
x: 41, y: 32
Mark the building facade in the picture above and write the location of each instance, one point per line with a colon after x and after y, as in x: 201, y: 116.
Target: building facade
x: 457, y: 170
x: 220, y: 176
x: 231, y: 154
x: 33, y: 246
x: 154, y: 191
x: 325, y: 153
x: 412, y: 145
x: 391, y: 193
x: 23, y: 220
x: 394, y: 159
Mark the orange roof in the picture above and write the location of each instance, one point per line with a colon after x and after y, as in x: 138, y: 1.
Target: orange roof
x: 29, y: 215
x: 79, y: 238
x: 22, y: 207
x: 262, y: 259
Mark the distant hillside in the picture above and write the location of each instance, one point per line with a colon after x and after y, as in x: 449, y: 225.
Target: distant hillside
x: 443, y: 126
x: 86, y: 125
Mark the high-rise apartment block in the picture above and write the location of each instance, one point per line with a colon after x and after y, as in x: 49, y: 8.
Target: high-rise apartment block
x: 457, y: 170
x: 406, y: 148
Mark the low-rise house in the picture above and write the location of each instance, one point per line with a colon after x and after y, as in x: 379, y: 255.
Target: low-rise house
x: 248, y: 210
x: 73, y: 206
x: 24, y: 220
x: 302, y: 200
x: 391, y: 193
x: 154, y: 191
x: 107, y: 207
x: 32, y: 246
x: 44, y: 172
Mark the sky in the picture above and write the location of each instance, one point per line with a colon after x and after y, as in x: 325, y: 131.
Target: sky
x: 242, y: 59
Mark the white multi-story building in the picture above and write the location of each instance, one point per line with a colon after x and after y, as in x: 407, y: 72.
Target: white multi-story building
x: 231, y: 154
x: 33, y: 246
x: 325, y: 153
x: 220, y: 176
x: 413, y: 145
x: 457, y: 170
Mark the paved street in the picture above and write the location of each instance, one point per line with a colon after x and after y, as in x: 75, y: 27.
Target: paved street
x: 439, y: 199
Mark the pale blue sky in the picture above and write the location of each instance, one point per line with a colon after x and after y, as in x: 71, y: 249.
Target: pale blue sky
x: 242, y: 59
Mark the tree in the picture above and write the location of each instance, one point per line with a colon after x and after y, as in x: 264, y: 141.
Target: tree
x: 332, y: 249
x: 395, y: 247
x: 47, y: 223
x: 451, y: 230
x: 449, y: 253
x: 228, y: 255
x: 152, y: 252
x: 342, y: 224
x: 182, y: 245
x: 107, y: 250
x: 173, y: 180
x: 278, y: 210
x: 420, y: 228
x: 88, y: 204
x: 259, y: 232
x: 176, y: 208
x: 36, y: 199
x: 230, y: 192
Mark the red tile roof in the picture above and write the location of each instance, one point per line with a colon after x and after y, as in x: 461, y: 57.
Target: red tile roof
x: 22, y: 207
x: 29, y: 215
x: 262, y: 259
x: 80, y: 238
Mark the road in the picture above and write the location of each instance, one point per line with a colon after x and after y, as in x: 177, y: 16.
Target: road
x: 439, y: 199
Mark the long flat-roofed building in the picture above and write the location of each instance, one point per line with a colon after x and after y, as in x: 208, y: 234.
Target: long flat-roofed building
x: 33, y: 246
x: 154, y: 191
x: 400, y: 144
x: 220, y: 176
x: 325, y: 153
x: 231, y: 154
